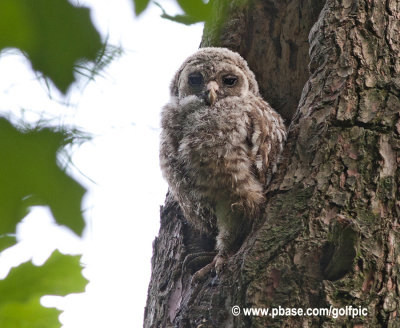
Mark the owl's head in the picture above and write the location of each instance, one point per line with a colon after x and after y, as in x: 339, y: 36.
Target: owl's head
x: 214, y: 74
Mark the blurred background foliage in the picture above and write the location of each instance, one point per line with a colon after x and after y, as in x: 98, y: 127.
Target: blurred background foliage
x: 62, y: 44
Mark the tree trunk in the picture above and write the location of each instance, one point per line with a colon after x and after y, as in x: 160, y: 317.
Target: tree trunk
x: 330, y: 235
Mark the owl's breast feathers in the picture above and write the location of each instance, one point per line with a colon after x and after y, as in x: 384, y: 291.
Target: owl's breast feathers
x: 229, y: 150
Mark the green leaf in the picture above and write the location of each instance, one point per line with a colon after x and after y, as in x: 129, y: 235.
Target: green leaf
x: 52, y: 33
x: 197, y: 9
x: 28, y: 315
x: 30, y: 175
x: 140, y: 6
x: 60, y: 275
x: 21, y: 290
x: 7, y: 241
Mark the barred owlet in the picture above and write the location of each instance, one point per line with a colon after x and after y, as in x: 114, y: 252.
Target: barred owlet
x: 220, y: 145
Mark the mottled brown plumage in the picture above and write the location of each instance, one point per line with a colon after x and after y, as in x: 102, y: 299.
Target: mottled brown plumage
x: 220, y: 145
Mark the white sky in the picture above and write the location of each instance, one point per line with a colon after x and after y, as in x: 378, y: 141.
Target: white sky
x: 121, y: 110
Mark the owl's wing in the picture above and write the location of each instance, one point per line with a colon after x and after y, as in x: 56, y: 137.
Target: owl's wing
x: 266, y: 139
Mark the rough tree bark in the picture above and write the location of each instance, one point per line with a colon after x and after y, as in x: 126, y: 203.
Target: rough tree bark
x: 330, y: 234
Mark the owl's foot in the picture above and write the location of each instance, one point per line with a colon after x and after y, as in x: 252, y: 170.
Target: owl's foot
x: 203, y: 272
x: 217, y: 264
x: 220, y: 262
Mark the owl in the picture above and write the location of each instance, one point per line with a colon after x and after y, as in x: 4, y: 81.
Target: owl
x: 220, y: 145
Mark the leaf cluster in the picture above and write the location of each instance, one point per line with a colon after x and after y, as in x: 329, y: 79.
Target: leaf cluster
x: 30, y: 174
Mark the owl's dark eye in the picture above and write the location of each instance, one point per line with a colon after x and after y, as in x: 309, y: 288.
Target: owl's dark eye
x: 196, y: 79
x: 229, y: 80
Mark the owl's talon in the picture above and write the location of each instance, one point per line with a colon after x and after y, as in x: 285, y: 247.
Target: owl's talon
x: 203, y: 272
x: 217, y: 264
x: 220, y: 262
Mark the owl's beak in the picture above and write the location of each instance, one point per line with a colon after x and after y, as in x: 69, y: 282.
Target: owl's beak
x: 211, y: 94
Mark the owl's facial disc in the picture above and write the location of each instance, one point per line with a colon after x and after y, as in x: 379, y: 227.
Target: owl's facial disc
x: 212, y: 82
x: 209, y: 91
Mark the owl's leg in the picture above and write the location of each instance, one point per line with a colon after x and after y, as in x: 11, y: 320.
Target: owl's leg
x: 233, y: 226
